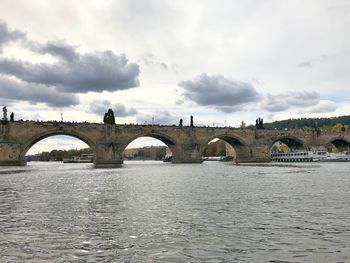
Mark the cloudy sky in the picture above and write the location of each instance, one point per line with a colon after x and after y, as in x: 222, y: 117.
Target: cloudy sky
x: 164, y: 60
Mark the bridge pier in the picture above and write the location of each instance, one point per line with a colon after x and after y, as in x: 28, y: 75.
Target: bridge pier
x: 259, y: 154
x: 187, y: 153
x: 108, y: 155
x: 13, y: 163
x: 10, y: 154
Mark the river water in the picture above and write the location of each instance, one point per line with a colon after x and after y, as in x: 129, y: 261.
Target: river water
x: 160, y: 212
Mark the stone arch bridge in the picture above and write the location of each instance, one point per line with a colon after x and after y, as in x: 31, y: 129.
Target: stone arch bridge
x: 108, y: 141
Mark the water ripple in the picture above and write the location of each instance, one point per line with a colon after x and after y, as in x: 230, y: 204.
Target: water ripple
x: 156, y: 212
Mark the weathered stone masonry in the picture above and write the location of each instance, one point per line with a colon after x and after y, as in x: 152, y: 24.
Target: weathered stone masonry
x: 108, y: 141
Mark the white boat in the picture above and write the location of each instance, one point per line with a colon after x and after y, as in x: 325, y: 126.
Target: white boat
x: 319, y: 155
x: 83, y: 158
x: 213, y: 158
x: 338, y: 157
x: 295, y: 156
x: 310, y: 156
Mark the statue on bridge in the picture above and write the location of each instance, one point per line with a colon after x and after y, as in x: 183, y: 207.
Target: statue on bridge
x: 181, y: 123
x: 109, y: 117
x: 259, y: 123
x: 4, y: 114
x: 191, y: 121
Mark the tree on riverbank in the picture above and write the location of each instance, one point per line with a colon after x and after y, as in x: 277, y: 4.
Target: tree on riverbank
x: 324, y: 124
x: 58, y: 155
x: 217, y: 148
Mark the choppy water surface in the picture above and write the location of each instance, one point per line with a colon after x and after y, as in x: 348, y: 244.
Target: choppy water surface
x: 159, y: 212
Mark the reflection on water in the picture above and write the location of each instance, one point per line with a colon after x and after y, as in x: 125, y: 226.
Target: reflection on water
x: 159, y: 212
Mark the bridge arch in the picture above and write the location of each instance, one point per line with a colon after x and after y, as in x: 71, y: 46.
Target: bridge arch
x: 289, y: 140
x: 340, y: 143
x: 243, y: 151
x: 167, y: 140
x: 40, y: 136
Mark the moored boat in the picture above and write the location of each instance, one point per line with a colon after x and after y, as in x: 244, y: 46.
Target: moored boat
x: 310, y: 156
x: 295, y: 156
x: 83, y: 158
x: 338, y: 157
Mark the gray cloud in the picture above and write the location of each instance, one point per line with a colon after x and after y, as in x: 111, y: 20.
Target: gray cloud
x: 59, y: 48
x: 121, y: 111
x: 222, y: 93
x: 282, y: 102
x: 5, y: 102
x: 95, y: 72
x: 310, y: 63
x: 150, y: 59
x: 7, y: 35
x: 324, y: 106
x: 159, y: 117
x: 179, y: 102
x: 306, y: 64
x: 15, y: 90
x: 71, y: 73
x: 229, y: 109
x: 100, y: 107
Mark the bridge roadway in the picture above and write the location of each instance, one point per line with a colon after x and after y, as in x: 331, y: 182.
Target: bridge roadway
x: 108, y: 141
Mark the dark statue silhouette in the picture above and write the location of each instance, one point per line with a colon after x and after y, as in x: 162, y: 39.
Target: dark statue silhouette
x: 259, y: 123
x: 109, y: 117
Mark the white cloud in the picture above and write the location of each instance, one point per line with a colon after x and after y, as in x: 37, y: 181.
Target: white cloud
x: 158, y: 118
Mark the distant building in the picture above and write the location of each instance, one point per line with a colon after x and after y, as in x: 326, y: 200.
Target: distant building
x: 131, y: 153
x: 145, y: 153
x: 148, y: 153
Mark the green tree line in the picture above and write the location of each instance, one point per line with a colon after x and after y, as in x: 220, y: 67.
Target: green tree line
x: 58, y: 155
x: 326, y: 124
x: 216, y: 148
x: 144, y: 153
